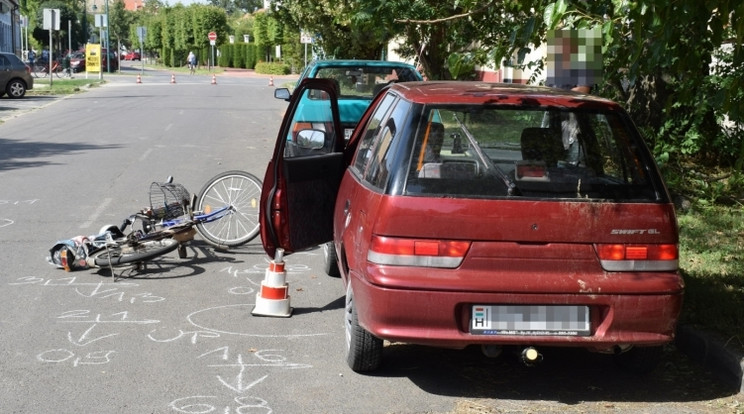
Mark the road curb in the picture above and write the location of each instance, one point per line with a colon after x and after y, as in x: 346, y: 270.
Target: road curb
x: 726, y: 363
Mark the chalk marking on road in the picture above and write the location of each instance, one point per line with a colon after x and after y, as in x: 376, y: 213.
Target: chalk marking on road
x: 84, y: 340
x: 82, y: 316
x: 190, y: 319
x: 101, y: 208
x: 5, y: 222
x: 181, y: 333
x: 92, y: 358
x: 18, y: 202
x: 145, y: 154
x: 245, y: 404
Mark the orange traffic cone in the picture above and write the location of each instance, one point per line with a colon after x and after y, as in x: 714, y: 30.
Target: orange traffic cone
x: 272, y: 299
x: 214, y: 79
x: 139, y: 78
x: 271, y: 81
x: 173, y: 78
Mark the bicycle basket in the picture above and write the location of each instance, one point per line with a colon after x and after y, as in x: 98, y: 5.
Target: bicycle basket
x: 169, y: 200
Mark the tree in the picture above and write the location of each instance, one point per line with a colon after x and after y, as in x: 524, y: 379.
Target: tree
x: 237, y: 6
x: 658, y: 58
x: 119, y: 23
x: 336, y: 26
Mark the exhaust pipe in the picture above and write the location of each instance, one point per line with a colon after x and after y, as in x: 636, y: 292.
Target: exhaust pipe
x: 530, y: 357
x: 491, y: 351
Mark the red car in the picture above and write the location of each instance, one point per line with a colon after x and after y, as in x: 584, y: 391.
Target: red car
x: 131, y: 55
x: 470, y: 213
x: 77, y: 61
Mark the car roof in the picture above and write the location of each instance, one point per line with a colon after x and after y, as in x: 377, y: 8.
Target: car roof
x: 358, y: 62
x: 474, y: 92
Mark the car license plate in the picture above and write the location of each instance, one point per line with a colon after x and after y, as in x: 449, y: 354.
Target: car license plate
x: 533, y: 320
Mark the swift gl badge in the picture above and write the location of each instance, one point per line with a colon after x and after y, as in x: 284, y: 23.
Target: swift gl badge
x: 635, y: 231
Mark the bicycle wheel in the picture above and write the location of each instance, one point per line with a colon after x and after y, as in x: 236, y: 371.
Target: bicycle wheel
x: 240, y: 190
x: 40, y: 71
x: 123, y: 254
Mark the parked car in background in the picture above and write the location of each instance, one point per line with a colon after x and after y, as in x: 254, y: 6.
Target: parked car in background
x: 107, y: 56
x: 358, y: 81
x: 77, y: 61
x: 503, y: 216
x: 15, y: 76
x: 131, y: 55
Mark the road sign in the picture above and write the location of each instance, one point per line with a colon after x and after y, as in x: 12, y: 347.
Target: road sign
x: 212, y: 36
x: 51, y: 19
x: 141, y: 33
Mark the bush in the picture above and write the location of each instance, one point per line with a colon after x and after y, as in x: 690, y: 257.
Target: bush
x: 272, y: 68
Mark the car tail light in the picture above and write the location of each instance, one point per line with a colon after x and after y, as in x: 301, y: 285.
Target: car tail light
x: 417, y: 252
x: 638, y: 257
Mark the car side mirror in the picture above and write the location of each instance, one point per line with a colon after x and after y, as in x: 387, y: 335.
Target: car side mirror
x: 282, y: 93
x: 311, y: 139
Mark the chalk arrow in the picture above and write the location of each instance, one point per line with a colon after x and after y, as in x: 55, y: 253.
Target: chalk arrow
x: 84, y: 340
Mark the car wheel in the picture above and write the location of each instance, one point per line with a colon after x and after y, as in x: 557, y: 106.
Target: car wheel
x: 15, y: 89
x: 330, y: 260
x: 639, y: 360
x: 363, y: 350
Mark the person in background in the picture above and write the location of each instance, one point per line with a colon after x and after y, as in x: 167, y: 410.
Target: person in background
x: 192, y: 62
x: 31, y: 58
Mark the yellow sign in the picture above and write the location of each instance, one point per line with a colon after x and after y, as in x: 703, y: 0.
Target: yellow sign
x: 92, y: 57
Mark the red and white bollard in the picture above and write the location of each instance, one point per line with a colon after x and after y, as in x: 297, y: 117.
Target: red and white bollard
x: 173, y: 78
x: 273, y: 298
x: 271, y: 81
x: 139, y: 78
x: 214, y: 79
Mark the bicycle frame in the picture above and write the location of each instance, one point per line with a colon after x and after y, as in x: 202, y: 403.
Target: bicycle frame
x: 163, y: 226
x: 169, y: 223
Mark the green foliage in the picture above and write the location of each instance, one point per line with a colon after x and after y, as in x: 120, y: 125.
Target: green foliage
x: 663, y: 72
x: 226, y: 56
x: 344, y: 30
x: 239, y: 57
x: 711, y: 241
x: 272, y: 68
x: 461, y: 66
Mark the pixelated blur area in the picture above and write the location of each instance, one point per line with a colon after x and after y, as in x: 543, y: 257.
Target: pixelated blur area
x: 574, y: 57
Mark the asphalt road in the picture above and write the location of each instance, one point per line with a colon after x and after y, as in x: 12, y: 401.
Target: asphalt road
x: 179, y: 337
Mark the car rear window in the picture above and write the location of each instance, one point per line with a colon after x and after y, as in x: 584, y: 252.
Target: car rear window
x: 481, y: 151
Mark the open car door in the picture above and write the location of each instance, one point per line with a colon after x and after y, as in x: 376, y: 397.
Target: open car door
x: 303, y: 176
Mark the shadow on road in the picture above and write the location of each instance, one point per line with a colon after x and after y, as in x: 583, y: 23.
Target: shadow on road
x: 568, y: 376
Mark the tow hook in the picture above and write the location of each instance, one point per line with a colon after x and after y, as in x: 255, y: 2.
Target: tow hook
x: 530, y: 357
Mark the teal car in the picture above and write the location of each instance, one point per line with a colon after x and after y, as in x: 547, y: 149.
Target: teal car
x: 357, y: 82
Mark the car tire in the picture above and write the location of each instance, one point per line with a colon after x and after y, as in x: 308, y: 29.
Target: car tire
x: 330, y: 260
x: 639, y: 360
x: 15, y: 89
x: 363, y: 350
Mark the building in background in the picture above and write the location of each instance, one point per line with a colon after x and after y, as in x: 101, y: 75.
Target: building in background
x: 10, y: 27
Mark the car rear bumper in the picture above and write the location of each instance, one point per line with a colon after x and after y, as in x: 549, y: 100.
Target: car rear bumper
x: 442, y: 318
